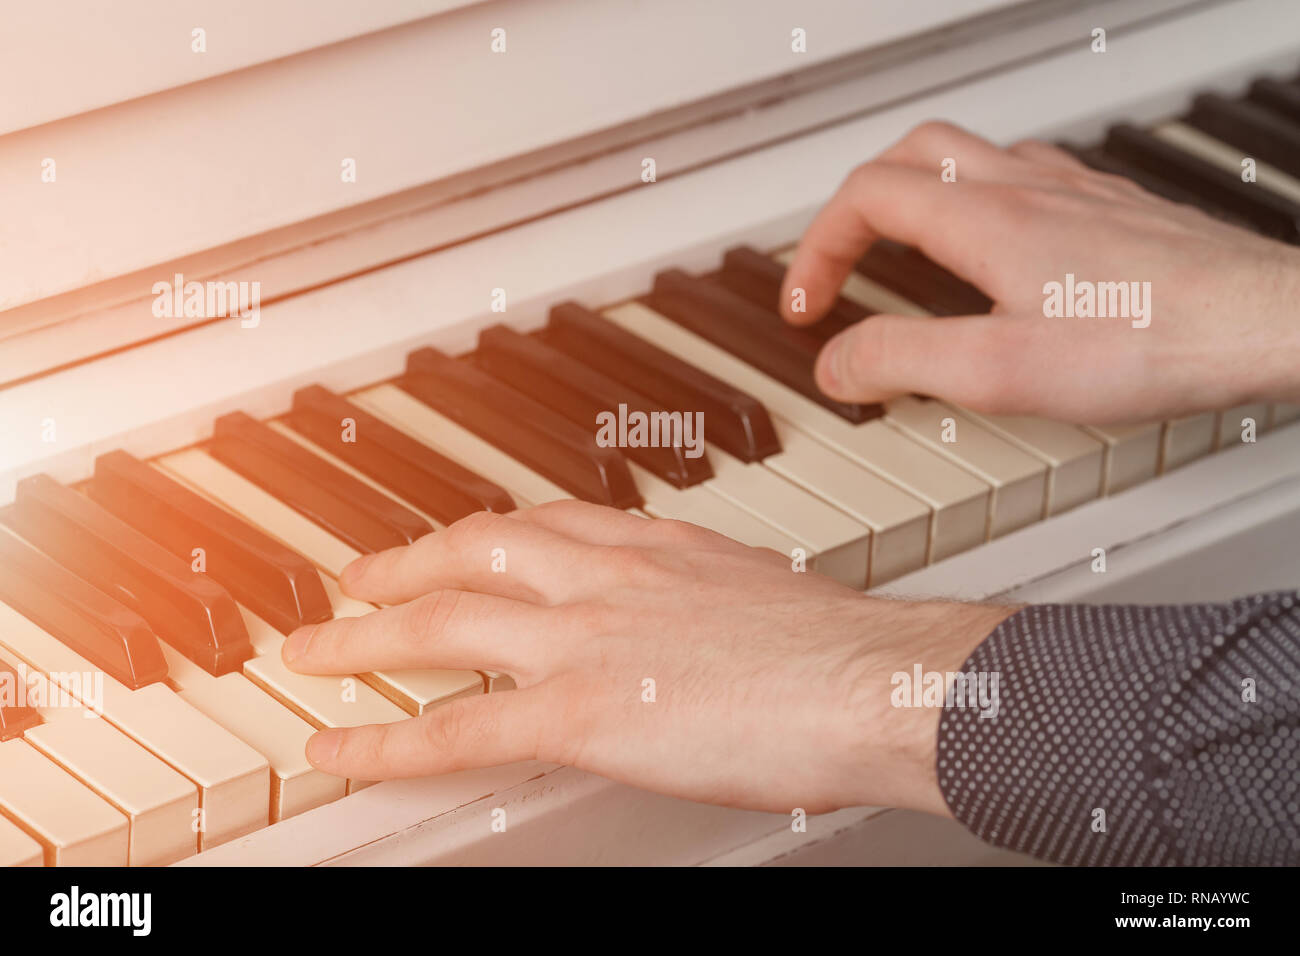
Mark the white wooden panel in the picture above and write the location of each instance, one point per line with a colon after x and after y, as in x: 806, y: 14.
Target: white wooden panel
x: 78, y: 55
x: 164, y: 176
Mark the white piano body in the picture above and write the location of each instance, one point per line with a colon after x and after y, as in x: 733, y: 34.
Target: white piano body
x: 522, y: 170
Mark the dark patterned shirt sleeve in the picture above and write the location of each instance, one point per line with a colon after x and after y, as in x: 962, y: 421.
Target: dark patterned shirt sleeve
x: 1135, y: 736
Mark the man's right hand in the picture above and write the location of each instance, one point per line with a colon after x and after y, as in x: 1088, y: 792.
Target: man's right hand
x: 1225, y: 303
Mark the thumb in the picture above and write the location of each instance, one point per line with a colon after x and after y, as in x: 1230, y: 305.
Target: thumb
x: 1072, y: 370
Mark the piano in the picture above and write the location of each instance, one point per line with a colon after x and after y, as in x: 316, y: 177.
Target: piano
x: 230, y: 232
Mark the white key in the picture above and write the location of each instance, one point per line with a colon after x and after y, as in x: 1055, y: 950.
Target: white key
x: 17, y: 848
x: 1074, y: 457
x: 842, y: 545
x: 1231, y: 423
x: 1186, y: 439
x: 1018, y: 479
x: 1283, y: 413
x: 899, y: 523
x: 413, y: 690
x: 434, y: 429
x: 959, y: 501
x: 158, y: 802
x: 267, y: 726
x: 1227, y: 157
x: 1132, y: 454
x: 700, y: 506
x: 234, y: 780
x: 73, y: 824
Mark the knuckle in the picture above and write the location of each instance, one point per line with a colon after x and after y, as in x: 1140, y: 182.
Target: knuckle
x: 933, y: 130
x: 428, y: 617
x: 564, y: 507
x: 445, y: 727
x: 471, y: 530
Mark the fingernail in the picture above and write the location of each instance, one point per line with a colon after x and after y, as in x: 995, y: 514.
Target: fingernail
x: 323, y: 747
x: 829, y: 365
x: 295, y: 646
x: 355, y: 569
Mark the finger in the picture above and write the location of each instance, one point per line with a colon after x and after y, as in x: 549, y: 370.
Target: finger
x: 486, y: 552
x: 449, y: 629
x: 880, y: 200
x: 482, y: 731
x: 609, y: 527
x: 1036, y: 151
x: 936, y: 146
x: 1002, y: 365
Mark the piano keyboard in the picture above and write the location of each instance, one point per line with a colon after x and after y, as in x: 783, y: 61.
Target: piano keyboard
x: 144, y: 610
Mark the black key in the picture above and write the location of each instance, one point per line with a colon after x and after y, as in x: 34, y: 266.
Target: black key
x: 909, y: 273
x: 339, y: 502
x: 433, y: 483
x: 582, y: 395
x: 112, y: 637
x: 279, y: 585
x: 756, y: 277
x: 15, y: 716
x: 730, y: 322
x: 1272, y: 214
x: 1096, y: 158
x: 187, y: 609
x: 736, y: 422
x: 1256, y: 131
x: 1281, y: 98
x: 542, y: 439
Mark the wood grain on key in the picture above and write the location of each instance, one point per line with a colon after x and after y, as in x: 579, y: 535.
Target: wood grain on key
x: 1073, y: 456
x: 1018, y: 479
x: 1132, y: 454
x: 74, y: 825
x: 430, y: 426
x: 159, y: 803
x: 268, y: 727
x: 233, y: 779
x: 958, y: 501
x: 210, y: 477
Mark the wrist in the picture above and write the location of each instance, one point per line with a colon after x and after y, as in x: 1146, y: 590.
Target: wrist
x: 911, y: 652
